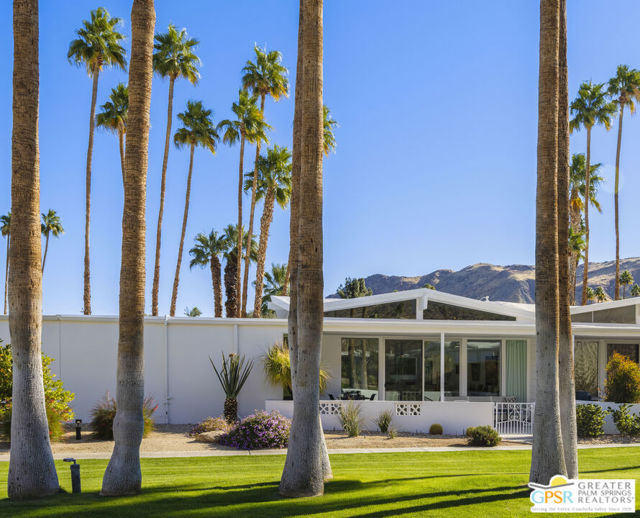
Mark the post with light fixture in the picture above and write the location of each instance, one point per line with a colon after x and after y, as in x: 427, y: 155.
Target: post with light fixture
x: 78, y: 429
x: 75, y: 475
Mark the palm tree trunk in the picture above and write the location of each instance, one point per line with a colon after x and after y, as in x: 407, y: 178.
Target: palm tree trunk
x: 265, y: 223
x: 32, y: 472
x: 239, y: 255
x: 252, y: 210
x: 617, y: 207
x: 231, y: 296
x: 587, y: 199
x: 547, y: 458
x: 287, y: 275
x: 304, y: 470
x: 217, y: 289
x: 46, y: 248
x: 6, y: 274
x: 87, y: 217
x: 567, y: 385
x: 163, y: 185
x: 121, y: 146
x: 123, y: 475
x: 176, y: 279
x: 575, y: 219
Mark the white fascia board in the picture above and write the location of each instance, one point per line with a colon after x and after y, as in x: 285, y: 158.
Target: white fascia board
x: 373, y: 300
x: 612, y: 304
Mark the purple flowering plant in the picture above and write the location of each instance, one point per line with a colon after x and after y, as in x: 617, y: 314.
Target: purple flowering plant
x: 258, y: 431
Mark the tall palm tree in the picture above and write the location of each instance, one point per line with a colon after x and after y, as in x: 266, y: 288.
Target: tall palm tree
x: 173, y: 57
x: 274, y: 185
x: 305, y: 471
x: 635, y: 290
x: 123, y: 475
x: 113, y: 117
x: 50, y: 225
x: 591, y: 295
x: 231, y: 263
x: 5, y: 231
x: 626, y: 279
x: 32, y: 472
x: 97, y: 46
x: 248, y: 126
x: 197, y: 131
x: 547, y: 458
x: 207, y: 252
x: 267, y: 76
x: 591, y: 107
x: 624, y: 87
x: 577, y: 190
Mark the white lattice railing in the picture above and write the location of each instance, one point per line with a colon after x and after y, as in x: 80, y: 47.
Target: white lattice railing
x: 513, y: 418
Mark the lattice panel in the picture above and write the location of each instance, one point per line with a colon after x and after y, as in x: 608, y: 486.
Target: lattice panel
x: 408, y: 409
x: 329, y: 408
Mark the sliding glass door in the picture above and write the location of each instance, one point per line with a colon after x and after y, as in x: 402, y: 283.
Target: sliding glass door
x: 403, y: 370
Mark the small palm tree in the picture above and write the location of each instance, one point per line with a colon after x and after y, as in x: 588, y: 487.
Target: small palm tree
x: 591, y: 294
x: 600, y: 294
x: 232, y: 375
x: 192, y: 312
x: 274, y: 185
x: 207, y: 252
x: 50, y: 225
x: 328, y: 124
x: 591, y: 107
x: 230, y: 269
x: 626, y: 279
x: 113, y: 117
x: 635, y: 290
x: 624, y: 87
x: 98, y: 45
x: 5, y: 230
x: 248, y: 126
x: 197, y: 131
x: 173, y: 57
x: 277, y: 368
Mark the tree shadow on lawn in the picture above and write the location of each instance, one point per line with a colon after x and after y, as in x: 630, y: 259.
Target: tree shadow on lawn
x: 233, y: 501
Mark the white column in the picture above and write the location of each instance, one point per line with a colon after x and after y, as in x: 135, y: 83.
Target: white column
x: 381, y: 369
x: 442, y: 366
x: 463, y: 367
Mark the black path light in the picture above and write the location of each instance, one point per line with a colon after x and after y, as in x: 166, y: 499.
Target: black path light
x: 78, y: 429
x: 75, y: 475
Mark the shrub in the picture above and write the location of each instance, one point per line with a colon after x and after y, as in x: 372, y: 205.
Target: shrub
x: 232, y: 376
x: 435, y: 429
x: 590, y: 420
x: 210, y: 424
x: 393, y: 433
x: 351, y: 419
x: 277, y: 368
x: 57, y: 399
x: 627, y: 423
x: 258, y: 431
x: 483, y: 436
x: 384, y: 421
x: 103, y: 414
x: 469, y: 431
x: 623, y: 380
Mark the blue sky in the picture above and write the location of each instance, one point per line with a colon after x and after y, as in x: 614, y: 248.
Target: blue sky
x: 435, y: 166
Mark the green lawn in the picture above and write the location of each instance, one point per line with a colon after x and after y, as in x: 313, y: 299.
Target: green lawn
x: 474, y: 484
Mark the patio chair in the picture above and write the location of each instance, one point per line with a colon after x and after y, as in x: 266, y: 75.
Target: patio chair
x: 331, y: 396
x: 373, y: 396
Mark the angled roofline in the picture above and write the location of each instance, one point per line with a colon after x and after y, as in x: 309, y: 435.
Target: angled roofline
x: 611, y: 304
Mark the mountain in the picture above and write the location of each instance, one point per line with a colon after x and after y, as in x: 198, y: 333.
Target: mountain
x: 513, y: 283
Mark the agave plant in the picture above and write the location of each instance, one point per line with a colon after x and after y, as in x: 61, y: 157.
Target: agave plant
x: 232, y: 376
x: 277, y: 368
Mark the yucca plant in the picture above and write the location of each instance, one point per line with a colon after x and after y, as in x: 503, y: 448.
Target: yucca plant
x: 232, y: 376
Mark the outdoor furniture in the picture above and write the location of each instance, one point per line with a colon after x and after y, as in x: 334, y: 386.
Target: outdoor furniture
x: 331, y: 396
x: 373, y: 396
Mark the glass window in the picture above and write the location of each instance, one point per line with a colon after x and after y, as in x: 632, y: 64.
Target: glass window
x: 585, y: 360
x: 403, y: 370
x: 440, y: 311
x: 483, y: 367
x: 359, y: 366
x: 432, y: 369
x: 405, y: 309
x: 628, y: 350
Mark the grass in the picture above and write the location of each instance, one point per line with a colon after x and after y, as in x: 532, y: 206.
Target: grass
x: 474, y: 483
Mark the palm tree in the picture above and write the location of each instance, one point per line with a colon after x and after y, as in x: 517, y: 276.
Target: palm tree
x: 600, y: 294
x: 5, y: 224
x: 328, y: 124
x: 231, y: 263
x: 306, y: 467
x: 635, y: 290
x: 274, y: 283
x: 591, y: 107
x: 577, y: 190
x: 625, y: 88
x: 50, y: 225
x: 274, y: 184
x: 591, y: 295
x: 547, y: 458
x: 267, y: 76
x: 98, y: 45
x: 32, y: 472
x: 192, y: 312
x: 123, y: 475
x: 249, y: 126
x: 114, y: 117
x: 207, y: 252
x: 626, y: 279
x: 173, y: 57
x: 197, y: 130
